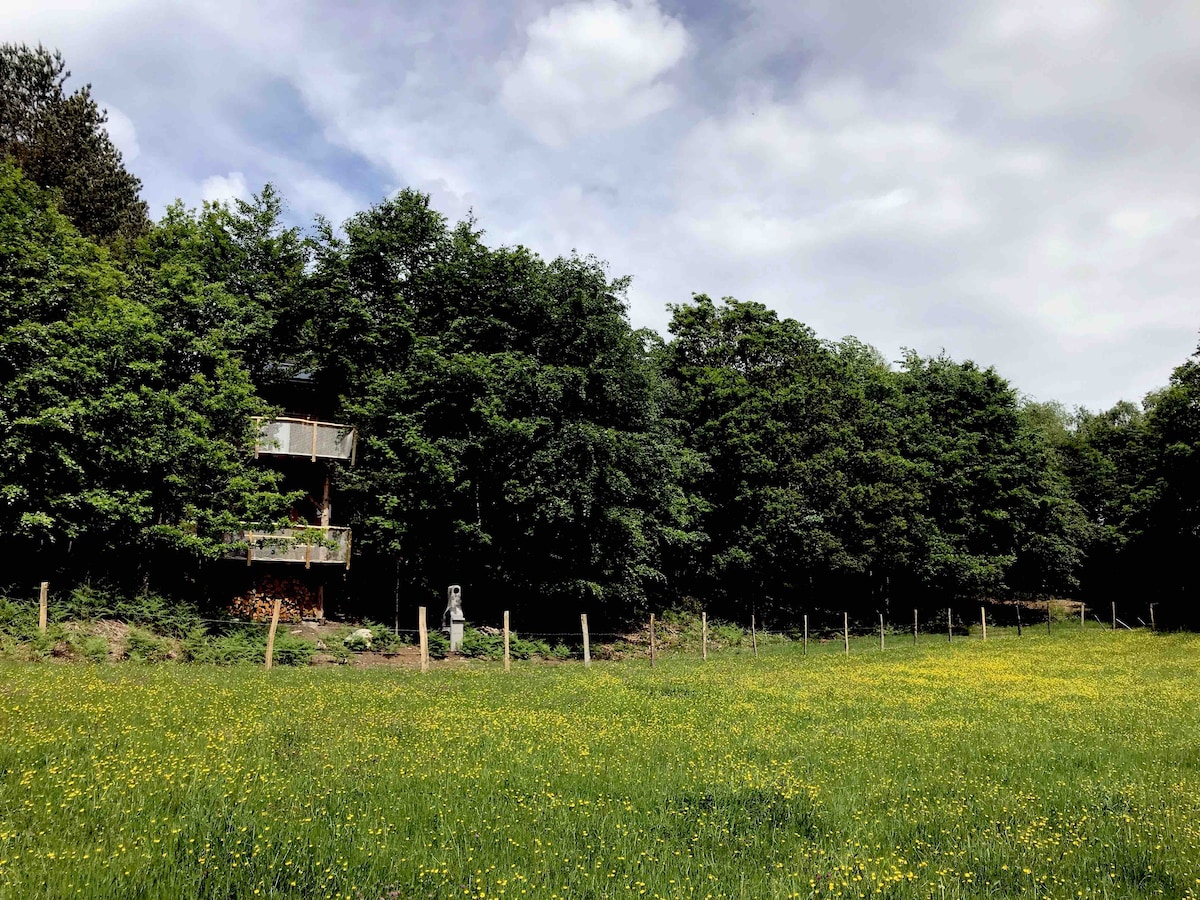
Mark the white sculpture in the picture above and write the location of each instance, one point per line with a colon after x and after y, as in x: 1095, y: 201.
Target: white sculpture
x: 453, y: 618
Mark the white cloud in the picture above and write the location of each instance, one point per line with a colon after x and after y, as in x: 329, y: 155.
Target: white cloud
x: 122, y: 133
x: 311, y: 195
x: 593, y: 66
x: 225, y: 188
x: 376, y: 104
x: 794, y: 177
x: 1010, y: 180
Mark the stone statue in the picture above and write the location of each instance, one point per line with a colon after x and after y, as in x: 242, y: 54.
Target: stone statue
x: 454, y: 612
x: 453, y: 618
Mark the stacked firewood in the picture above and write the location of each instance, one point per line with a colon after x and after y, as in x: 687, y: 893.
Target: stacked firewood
x: 297, y: 600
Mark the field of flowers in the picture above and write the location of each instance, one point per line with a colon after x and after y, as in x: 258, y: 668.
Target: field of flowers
x: 1050, y: 766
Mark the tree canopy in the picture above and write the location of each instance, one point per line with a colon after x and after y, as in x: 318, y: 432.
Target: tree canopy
x: 59, y: 141
x: 516, y: 433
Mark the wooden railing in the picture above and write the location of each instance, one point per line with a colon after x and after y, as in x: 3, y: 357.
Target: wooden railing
x: 308, y: 544
x: 286, y: 436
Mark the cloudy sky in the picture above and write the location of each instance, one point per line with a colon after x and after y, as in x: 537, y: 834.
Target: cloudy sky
x: 1013, y: 182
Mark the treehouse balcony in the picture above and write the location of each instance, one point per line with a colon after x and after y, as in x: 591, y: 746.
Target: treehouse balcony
x: 305, y: 438
x: 307, y: 544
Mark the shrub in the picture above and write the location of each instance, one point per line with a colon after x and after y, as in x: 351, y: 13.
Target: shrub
x: 194, y: 645
x: 18, y: 620
x: 726, y: 635
x: 521, y: 648
x: 42, y: 643
x: 238, y: 646
x: 439, y: 645
x: 292, y: 650
x: 357, y: 643
x: 382, y: 637
x: 478, y: 645
x: 169, y: 617
x: 85, y: 603
x: 93, y: 647
x: 143, y: 646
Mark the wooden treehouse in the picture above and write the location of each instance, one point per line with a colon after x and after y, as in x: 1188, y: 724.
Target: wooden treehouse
x: 305, y: 451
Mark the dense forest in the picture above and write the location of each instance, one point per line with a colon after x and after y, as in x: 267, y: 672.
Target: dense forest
x: 515, y: 433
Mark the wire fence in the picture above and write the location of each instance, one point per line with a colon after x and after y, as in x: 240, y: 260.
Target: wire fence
x: 818, y: 631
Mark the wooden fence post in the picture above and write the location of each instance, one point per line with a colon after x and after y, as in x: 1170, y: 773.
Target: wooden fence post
x: 704, y: 635
x: 1082, y: 606
x: 507, y: 656
x: 846, y: 629
x: 753, y: 635
x: 423, y: 629
x: 881, y: 631
x: 1048, y: 631
x: 587, y: 645
x: 1018, y: 618
x: 806, y: 634
x: 983, y: 621
x: 1114, y: 616
x: 1152, y: 626
x: 949, y: 626
x: 271, y: 633
x: 652, y: 648
x: 43, y: 605
x: 914, y: 628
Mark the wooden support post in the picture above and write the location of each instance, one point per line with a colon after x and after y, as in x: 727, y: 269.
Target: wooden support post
x: 846, y: 629
x: 271, y: 633
x: 652, y: 640
x: 806, y: 634
x: 43, y: 605
x: 326, y: 504
x: 587, y: 645
x: 507, y: 656
x: 314, y: 442
x: 1152, y: 626
x: 949, y: 626
x: 1114, y: 616
x: 704, y: 635
x: 1083, y: 605
x: 1018, y: 618
x: 881, y: 631
x: 423, y: 629
x: 983, y: 621
x: 914, y: 628
x: 1048, y: 617
x: 249, y: 547
x: 753, y: 635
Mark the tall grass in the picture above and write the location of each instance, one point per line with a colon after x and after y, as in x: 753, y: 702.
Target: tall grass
x: 1064, y: 766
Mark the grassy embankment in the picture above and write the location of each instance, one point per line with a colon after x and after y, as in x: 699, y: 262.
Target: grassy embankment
x: 1063, y: 766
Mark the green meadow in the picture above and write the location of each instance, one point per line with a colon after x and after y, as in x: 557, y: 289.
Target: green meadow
x: 1047, y: 766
